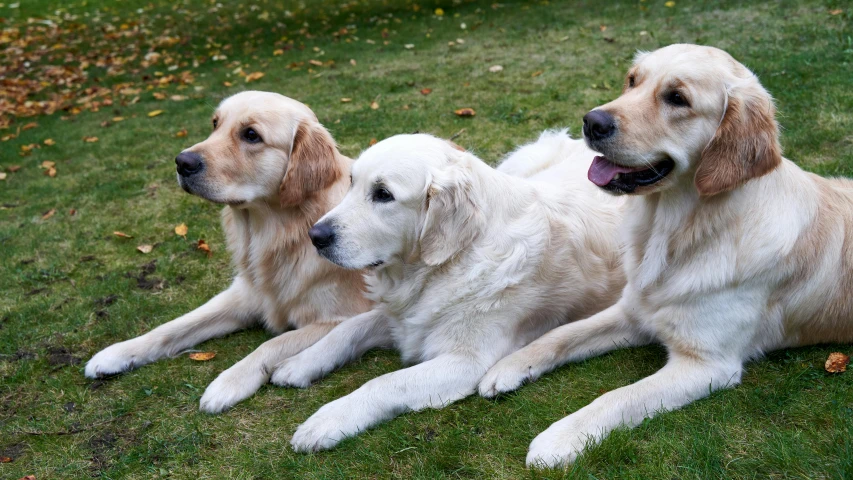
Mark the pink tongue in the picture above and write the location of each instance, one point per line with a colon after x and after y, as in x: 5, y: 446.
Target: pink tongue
x: 602, y: 171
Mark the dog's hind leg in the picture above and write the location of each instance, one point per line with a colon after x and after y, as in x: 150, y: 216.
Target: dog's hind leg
x: 225, y: 313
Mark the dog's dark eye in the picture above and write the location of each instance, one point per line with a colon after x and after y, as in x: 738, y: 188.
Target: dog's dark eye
x: 677, y: 99
x: 630, y: 81
x: 251, y: 136
x: 382, y: 195
x: 215, y: 123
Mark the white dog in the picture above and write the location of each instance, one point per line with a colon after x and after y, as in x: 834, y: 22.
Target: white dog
x: 470, y: 264
x: 277, y: 170
x: 732, y: 250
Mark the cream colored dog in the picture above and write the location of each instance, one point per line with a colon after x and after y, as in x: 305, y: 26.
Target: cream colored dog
x: 470, y: 264
x: 278, y: 171
x: 732, y: 250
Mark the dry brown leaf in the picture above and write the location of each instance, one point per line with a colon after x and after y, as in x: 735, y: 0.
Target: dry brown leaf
x: 181, y: 133
x: 202, y: 356
x: 536, y: 73
x: 28, y: 477
x: 159, y: 95
x: 374, y: 105
x: 228, y: 84
x: 145, y: 248
x: 13, y: 168
x: 254, y: 76
x: 122, y: 234
x: 465, y: 112
x: 316, y: 63
x: 118, y: 119
x: 181, y: 230
x: 5, y: 460
x: 178, y: 98
x: 48, y: 164
x: 837, y: 11
x: 29, y: 126
x: 72, y: 212
x: 204, y: 247
x: 346, y: 100
x: 426, y: 91
x: 50, y: 172
x: 49, y: 142
x: 89, y: 139
x: 154, y: 113
x: 277, y: 52
x: 48, y: 214
x: 352, y: 62
x: 836, y: 362
x: 372, y: 142
x: 2, y: 175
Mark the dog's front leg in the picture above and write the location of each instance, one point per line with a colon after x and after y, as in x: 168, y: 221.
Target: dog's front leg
x: 576, y: 341
x: 348, y: 341
x: 681, y: 381
x: 227, y: 312
x: 432, y: 384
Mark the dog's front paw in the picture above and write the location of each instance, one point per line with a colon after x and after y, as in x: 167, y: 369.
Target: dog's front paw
x: 332, y: 423
x: 505, y: 376
x: 116, y: 358
x: 556, y: 447
x: 294, y: 372
x: 232, y: 387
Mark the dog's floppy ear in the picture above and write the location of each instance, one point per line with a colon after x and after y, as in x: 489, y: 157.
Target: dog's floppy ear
x: 452, y: 219
x: 746, y: 144
x: 313, y: 165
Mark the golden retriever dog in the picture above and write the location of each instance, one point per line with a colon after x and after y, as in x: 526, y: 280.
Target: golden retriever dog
x: 470, y: 264
x: 732, y: 250
x: 278, y: 171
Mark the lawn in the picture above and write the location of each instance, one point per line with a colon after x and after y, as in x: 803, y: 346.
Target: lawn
x: 71, y: 287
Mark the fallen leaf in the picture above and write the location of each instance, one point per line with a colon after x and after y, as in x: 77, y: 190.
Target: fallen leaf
x: 49, y: 142
x: 178, y: 98
x: 536, y: 73
x: 72, y: 212
x: 122, y: 235
x: 29, y: 126
x: 28, y: 477
x: 602, y: 27
x: 254, y: 76
x: 372, y: 142
x: 439, y: 12
x: 154, y: 113
x: 837, y: 11
x: 669, y: 4
x: 228, y: 84
x: 836, y: 362
x: 48, y: 164
x: 2, y: 175
x: 204, y: 247
x: 352, y: 62
x: 13, y: 168
x: 409, y: 46
x: 202, y: 356
x: 316, y: 63
x: 426, y: 91
x: 465, y: 112
x: 159, y: 95
x: 496, y: 68
x: 89, y: 139
x: 346, y: 100
x: 5, y: 460
x: 277, y: 52
x: 181, y: 133
x: 374, y: 105
x: 50, y: 172
x: 48, y: 214
x: 181, y: 230
x: 145, y: 248
x: 118, y: 119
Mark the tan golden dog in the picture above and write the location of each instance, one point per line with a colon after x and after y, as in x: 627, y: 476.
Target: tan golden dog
x: 278, y: 171
x: 732, y: 250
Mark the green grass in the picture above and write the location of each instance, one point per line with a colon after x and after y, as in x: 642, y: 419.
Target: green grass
x: 788, y: 419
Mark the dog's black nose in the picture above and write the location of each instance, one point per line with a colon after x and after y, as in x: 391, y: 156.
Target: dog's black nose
x: 598, y: 125
x: 188, y: 163
x: 322, y: 235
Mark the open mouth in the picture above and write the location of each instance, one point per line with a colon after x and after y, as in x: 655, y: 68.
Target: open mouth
x: 618, y: 178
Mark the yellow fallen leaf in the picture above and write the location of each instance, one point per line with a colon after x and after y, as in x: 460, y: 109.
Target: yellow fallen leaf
x: 154, y: 113
x: 374, y: 105
x: 204, y: 247
x: 49, y: 142
x: 29, y: 126
x: 50, y: 172
x: 48, y: 214
x: 228, y: 84
x: 181, y: 133
x: 536, y: 73
x: 145, y: 248
x: 669, y: 4
x: 465, y: 112
x: 346, y: 100
x: 122, y: 234
x: 89, y: 139
x: 277, y: 52
x: 181, y: 230
x: 316, y: 63
x: 372, y: 142
x: 254, y: 76
x: 439, y: 12
x: 159, y: 95
x: 118, y: 119
x: 202, y: 356
x: 47, y: 164
x: 837, y: 11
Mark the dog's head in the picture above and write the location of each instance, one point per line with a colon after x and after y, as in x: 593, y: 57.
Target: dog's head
x: 411, y: 200
x: 264, y: 147
x: 687, y: 112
